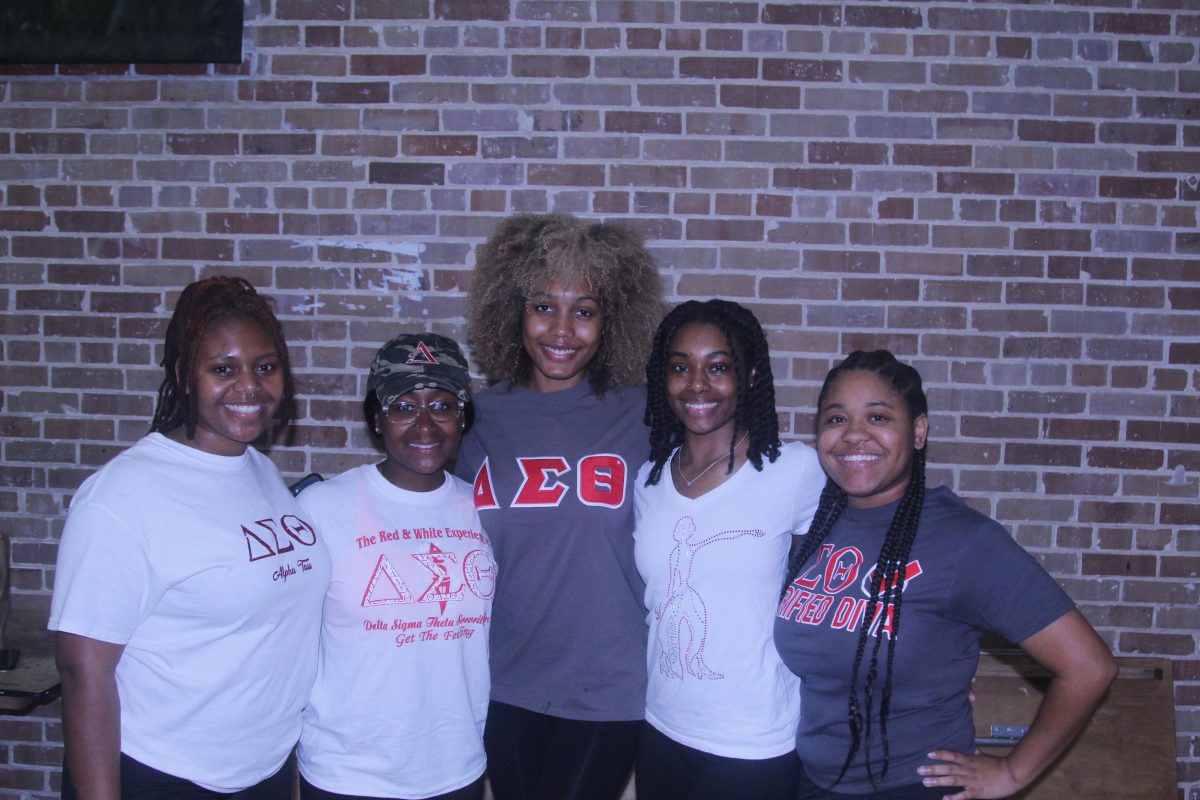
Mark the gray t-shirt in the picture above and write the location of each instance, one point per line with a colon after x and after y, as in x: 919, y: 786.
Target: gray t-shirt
x: 568, y: 633
x: 965, y: 575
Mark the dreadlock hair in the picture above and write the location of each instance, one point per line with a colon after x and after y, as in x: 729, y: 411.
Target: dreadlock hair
x: 530, y: 252
x: 202, y: 306
x: 887, y: 576
x: 755, y: 383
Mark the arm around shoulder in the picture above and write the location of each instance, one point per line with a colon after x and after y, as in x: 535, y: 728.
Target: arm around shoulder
x: 91, y: 714
x: 1082, y: 669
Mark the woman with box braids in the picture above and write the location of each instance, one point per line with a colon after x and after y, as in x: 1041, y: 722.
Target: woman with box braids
x: 952, y: 570
x: 712, y: 537
x: 189, y: 585
x: 755, y: 400
x: 906, y: 383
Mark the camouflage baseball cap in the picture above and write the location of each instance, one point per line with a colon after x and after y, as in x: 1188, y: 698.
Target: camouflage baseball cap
x: 419, y: 361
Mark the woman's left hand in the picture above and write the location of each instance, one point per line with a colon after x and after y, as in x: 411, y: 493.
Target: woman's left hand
x: 1082, y: 669
x: 980, y: 776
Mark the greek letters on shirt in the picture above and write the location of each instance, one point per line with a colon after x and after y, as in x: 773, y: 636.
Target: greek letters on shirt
x: 477, y: 572
x: 599, y: 481
x: 449, y: 576
x: 824, y: 594
x: 263, y: 541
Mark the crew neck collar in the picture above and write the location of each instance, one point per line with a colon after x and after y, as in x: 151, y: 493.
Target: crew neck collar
x: 209, y: 460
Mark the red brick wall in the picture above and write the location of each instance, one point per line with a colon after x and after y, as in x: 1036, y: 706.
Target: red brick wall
x: 1003, y: 193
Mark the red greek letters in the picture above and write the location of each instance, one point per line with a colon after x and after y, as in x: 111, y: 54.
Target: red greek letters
x: 537, y: 489
x: 478, y: 572
x: 485, y: 497
x: 602, y: 480
x: 599, y: 480
x: 814, y: 594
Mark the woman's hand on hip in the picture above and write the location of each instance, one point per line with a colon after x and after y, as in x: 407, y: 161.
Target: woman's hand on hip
x: 981, y: 777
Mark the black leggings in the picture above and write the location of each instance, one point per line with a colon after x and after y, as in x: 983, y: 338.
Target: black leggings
x: 668, y: 770
x: 472, y: 791
x: 140, y: 782
x: 534, y: 756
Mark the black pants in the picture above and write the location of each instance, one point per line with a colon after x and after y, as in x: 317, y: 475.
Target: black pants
x: 534, y: 756
x: 140, y: 782
x: 472, y: 791
x: 668, y: 770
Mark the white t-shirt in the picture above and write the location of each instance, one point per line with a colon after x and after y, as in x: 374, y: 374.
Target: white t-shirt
x: 206, y: 570
x: 402, y: 681
x: 714, y: 567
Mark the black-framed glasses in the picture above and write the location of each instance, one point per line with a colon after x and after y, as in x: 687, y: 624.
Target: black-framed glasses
x: 403, y: 412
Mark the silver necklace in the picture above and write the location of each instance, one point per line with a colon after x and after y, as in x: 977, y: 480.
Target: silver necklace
x: 713, y: 463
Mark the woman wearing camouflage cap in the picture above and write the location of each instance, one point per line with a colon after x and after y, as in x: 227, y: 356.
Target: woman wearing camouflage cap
x: 561, y: 313
x: 402, y: 682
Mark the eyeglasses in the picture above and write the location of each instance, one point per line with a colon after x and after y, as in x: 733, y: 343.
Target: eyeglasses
x: 403, y: 412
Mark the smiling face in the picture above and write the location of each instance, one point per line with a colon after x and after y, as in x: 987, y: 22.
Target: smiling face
x: 237, y: 380
x: 417, y: 453
x: 866, y: 438
x: 561, y: 332
x: 702, y: 380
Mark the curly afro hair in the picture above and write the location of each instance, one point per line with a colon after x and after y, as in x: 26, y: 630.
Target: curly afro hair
x: 530, y: 252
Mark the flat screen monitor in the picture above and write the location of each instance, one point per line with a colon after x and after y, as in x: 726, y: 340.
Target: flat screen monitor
x: 120, y: 31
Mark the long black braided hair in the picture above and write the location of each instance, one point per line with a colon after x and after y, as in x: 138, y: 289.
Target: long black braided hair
x: 887, y: 577
x: 755, y: 383
x: 201, y: 307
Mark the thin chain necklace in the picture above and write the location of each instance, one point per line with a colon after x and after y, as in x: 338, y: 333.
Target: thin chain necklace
x: 713, y: 463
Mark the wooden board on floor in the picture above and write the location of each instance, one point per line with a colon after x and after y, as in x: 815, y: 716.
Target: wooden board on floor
x: 1128, y: 749
x: 35, y: 679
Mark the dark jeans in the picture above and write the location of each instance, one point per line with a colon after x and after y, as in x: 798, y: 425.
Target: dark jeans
x: 913, y: 791
x: 668, y: 770
x: 140, y: 782
x: 472, y: 791
x: 534, y: 756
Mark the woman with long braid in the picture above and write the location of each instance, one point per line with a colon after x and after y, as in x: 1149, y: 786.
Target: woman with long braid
x: 884, y: 604
x: 717, y: 506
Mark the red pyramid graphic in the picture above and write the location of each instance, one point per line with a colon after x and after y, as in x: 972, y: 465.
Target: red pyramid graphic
x: 389, y: 591
x: 421, y: 355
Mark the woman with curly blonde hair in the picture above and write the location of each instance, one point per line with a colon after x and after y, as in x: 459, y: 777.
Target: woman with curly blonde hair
x: 561, y: 313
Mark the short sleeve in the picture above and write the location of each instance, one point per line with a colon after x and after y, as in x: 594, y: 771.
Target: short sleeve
x: 1003, y: 589
x: 104, y: 585
x: 808, y: 488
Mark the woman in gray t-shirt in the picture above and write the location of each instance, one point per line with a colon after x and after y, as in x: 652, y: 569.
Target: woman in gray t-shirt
x: 561, y: 313
x: 885, y: 683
